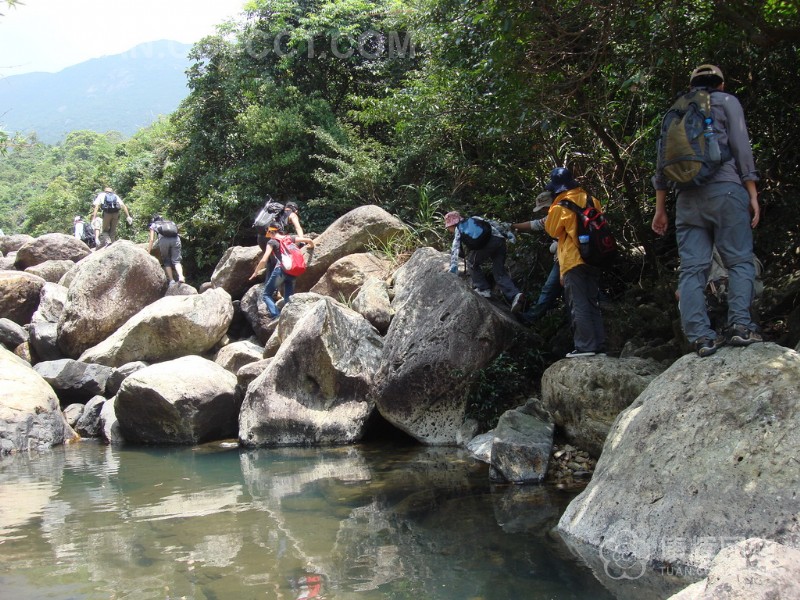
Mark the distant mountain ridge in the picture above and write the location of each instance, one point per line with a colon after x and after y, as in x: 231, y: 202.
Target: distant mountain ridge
x: 123, y: 92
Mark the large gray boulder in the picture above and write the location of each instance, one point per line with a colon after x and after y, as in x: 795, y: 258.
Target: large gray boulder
x: 353, y: 232
x: 256, y: 314
x: 189, y: 400
x: 51, y: 246
x: 291, y: 314
x: 44, y: 323
x: 12, y: 334
x: 172, y: 327
x: 119, y: 374
x: 234, y: 269
x: 52, y: 298
x: 585, y: 396
x: 44, y: 341
x: 521, y: 446
x: 707, y: 452
x: 7, y: 262
x: 51, y: 270
x: 74, y: 381
x: 374, y: 304
x: 19, y: 295
x: 441, y: 333
x: 753, y: 569
x: 345, y: 277
x: 13, y: 242
x: 109, y: 426
x: 314, y: 391
x: 238, y: 354
x: 30, y: 415
x: 107, y: 289
x: 89, y: 424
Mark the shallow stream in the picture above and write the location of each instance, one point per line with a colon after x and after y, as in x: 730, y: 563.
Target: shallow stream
x: 89, y: 521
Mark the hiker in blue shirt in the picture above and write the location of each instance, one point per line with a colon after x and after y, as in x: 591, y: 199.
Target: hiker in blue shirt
x: 484, y: 242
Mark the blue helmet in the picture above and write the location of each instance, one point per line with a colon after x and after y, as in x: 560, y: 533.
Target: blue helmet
x: 561, y: 180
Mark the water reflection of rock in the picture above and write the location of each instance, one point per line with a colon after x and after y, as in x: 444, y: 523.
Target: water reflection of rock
x: 26, y: 492
x: 206, y: 522
x: 391, y: 523
x: 628, y: 577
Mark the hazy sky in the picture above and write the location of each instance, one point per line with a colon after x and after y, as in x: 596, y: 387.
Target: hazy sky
x: 49, y: 35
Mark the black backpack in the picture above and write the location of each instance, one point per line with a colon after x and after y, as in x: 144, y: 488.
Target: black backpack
x: 269, y: 214
x: 167, y: 228
x: 110, y: 203
x: 87, y: 235
x: 596, y: 242
x: 475, y: 232
x: 688, y: 150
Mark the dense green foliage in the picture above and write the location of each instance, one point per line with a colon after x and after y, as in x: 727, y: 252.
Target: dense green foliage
x: 427, y: 105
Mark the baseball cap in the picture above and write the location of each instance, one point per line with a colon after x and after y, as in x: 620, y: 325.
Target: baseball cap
x: 452, y: 218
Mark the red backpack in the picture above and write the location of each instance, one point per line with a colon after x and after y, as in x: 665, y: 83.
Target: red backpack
x: 293, y: 261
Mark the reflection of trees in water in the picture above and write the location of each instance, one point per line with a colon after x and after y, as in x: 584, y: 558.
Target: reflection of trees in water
x: 202, y: 522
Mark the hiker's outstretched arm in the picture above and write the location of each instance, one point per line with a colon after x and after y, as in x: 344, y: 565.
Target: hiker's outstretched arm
x: 262, y: 263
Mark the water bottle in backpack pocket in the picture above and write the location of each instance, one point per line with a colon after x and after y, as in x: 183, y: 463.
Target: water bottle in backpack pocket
x: 596, y: 242
x: 688, y: 150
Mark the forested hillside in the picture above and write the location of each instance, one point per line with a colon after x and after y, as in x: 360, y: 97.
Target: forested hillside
x: 435, y: 105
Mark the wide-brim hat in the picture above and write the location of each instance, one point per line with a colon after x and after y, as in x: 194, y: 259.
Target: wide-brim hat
x: 543, y: 200
x: 452, y: 218
x: 561, y: 180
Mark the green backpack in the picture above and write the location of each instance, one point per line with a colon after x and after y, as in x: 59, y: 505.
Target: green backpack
x: 689, y: 152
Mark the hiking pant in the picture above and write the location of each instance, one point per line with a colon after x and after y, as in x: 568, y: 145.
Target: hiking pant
x: 276, y: 279
x: 718, y: 215
x: 551, y: 292
x: 494, y: 250
x: 108, y: 233
x: 582, y: 291
x: 170, y: 250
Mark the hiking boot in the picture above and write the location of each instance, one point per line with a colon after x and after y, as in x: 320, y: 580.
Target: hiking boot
x: 580, y: 354
x: 706, y: 346
x: 484, y: 293
x: 739, y: 335
x: 516, y: 304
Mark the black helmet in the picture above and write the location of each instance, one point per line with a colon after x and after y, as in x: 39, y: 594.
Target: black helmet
x: 561, y: 180
x: 292, y: 205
